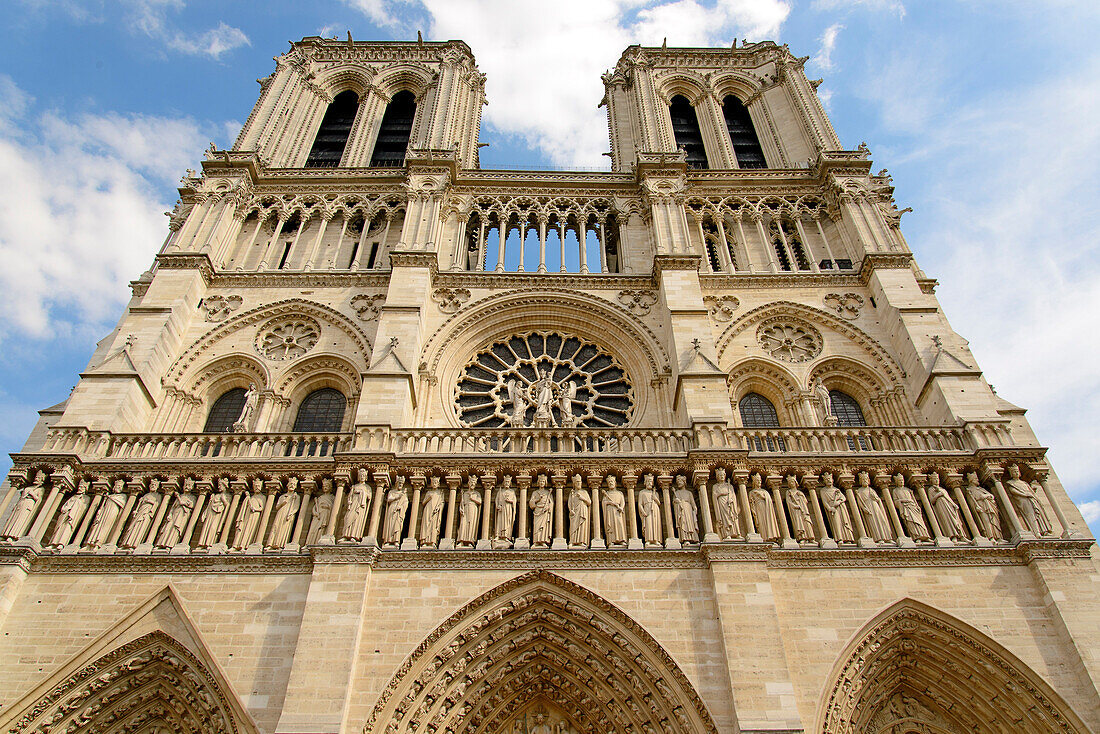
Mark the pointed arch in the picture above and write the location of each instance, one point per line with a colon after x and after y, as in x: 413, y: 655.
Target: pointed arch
x: 539, y: 636
x: 916, y: 667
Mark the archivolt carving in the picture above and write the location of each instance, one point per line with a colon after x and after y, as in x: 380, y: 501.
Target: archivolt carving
x: 848, y: 375
x: 413, y: 76
x: 323, y: 364
x: 150, y: 684
x: 539, y: 635
x: 914, y: 668
x: 766, y: 378
x: 244, y: 369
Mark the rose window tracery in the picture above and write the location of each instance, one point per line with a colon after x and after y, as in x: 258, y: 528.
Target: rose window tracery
x: 789, y: 341
x: 544, y: 380
x: 287, y: 339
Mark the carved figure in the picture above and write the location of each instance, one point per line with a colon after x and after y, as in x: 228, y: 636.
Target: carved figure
x: 580, y: 518
x: 20, y: 518
x: 909, y: 509
x: 878, y: 525
x: 568, y: 395
x: 142, y: 518
x: 355, y: 512
x: 318, y: 517
x: 109, y: 510
x: 686, y: 511
x: 431, y: 509
x: 836, y: 509
x: 649, y: 509
x: 243, y: 424
x: 802, y: 524
x: 469, y: 513
x: 72, y: 512
x: 505, y: 516
x: 725, y: 506
x: 248, y: 516
x: 763, y: 509
x: 613, y: 502
x: 179, y: 513
x: 541, y: 394
x: 397, y: 502
x: 216, y: 508
x: 518, y: 397
x: 824, y: 403
x: 542, y: 505
x: 286, y: 512
x: 947, y: 512
x: 1026, y: 502
x: 985, y: 508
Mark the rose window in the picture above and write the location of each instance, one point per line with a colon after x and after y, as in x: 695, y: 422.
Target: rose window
x: 288, y: 339
x: 544, y: 380
x: 789, y: 342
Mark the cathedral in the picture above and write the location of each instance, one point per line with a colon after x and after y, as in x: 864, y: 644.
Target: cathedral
x: 388, y: 443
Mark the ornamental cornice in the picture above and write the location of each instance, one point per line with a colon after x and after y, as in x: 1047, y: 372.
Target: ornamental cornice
x: 317, y: 279
x: 731, y: 281
x: 543, y: 559
x: 873, y: 261
x: 661, y: 263
x: 187, y: 261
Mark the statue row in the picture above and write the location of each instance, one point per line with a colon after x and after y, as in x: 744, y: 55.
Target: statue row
x: 521, y: 511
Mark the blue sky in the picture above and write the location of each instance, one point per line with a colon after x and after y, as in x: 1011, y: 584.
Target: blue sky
x: 986, y: 113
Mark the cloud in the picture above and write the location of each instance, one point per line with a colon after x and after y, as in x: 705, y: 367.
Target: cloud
x: 213, y: 42
x: 151, y: 18
x: 557, y: 113
x: 893, y: 6
x: 828, y: 44
x: 70, y: 242
x: 1091, y: 511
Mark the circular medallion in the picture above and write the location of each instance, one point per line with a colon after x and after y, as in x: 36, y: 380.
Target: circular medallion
x: 289, y: 338
x: 789, y: 341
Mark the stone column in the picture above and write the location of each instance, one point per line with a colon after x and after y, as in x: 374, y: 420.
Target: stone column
x: 239, y: 487
x: 381, y: 482
x: 846, y: 481
x: 329, y: 538
x: 774, y: 482
x: 410, y: 543
x: 271, y: 488
x: 918, y: 482
x: 558, y: 482
x: 522, y: 510
x: 1019, y: 532
x: 741, y: 476
x: 97, y: 496
x: 664, y: 481
x: 1067, y: 532
x: 810, y: 483
x: 633, y: 542
x: 882, y: 482
x: 58, y: 485
x: 447, y: 541
x: 487, y: 483
x: 700, y: 478
x: 145, y: 544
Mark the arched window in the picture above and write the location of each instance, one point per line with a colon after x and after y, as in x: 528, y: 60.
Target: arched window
x: 333, y: 134
x: 746, y: 146
x: 685, y: 126
x: 757, y: 412
x: 321, y: 412
x: 226, y: 411
x: 846, y: 409
x: 395, y: 131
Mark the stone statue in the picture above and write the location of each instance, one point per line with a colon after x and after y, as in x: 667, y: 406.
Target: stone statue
x: 542, y: 505
x: 355, y: 509
x: 171, y: 533
x: 72, y: 512
x: 649, y: 509
x: 143, y: 516
x: 243, y: 424
x: 542, y: 395
x: 909, y: 509
x: 286, y: 512
x: 580, y: 518
x: 613, y: 502
x: 947, y: 512
x: 802, y: 524
x: 318, y: 517
x: 825, y: 404
x: 397, y: 503
x: 985, y: 508
x: 686, y: 511
x: 505, y: 515
x: 541, y: 725
x: 878, y: 525
x: 518, y: 397
x: 469, y: 513
x: 20, y: 518
x: 248, y: 516
x: 763, y: 509
x: 216, y: 508
x: 836, y: 509
x: 109, y: 510
x: 725, y: 506
x: 568, y: 395
x: 431, y: 514
x: 1026, y: 502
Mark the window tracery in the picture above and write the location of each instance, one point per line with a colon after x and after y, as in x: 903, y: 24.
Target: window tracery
x: 789, y: 341
x: 846, y: 409
x: 225, y: 411
x: 322, y: 411
x: 287, y: 339
x: 757, y: 412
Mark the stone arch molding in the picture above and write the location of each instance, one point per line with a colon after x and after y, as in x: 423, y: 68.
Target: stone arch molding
x: 150, y: 672
x: 539, y: 636
x: 915, y: 668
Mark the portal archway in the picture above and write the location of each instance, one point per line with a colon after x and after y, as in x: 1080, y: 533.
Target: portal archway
x: 914, y: 668
x: 540, y: 641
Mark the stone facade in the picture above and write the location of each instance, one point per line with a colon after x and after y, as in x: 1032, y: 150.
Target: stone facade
x: 686, y: 446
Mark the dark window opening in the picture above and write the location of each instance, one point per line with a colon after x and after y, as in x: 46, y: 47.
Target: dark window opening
x: 746, y: 146
x: 757, y: 412
x: 322, y: 411
x: 332, y: 136
x: 846, y: 409
x: 395, y: 131
x: 371, y: 255
x: 226, y: 411
x: 685, y: 126
x: 354, y: 252
x: 286, y: 255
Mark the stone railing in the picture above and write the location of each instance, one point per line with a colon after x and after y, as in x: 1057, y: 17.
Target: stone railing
x: 542, y: 441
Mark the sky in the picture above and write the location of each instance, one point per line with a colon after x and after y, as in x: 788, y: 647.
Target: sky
x: 985, y: 112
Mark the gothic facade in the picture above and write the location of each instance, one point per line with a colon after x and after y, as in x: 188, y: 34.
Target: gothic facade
x: 387, y: 442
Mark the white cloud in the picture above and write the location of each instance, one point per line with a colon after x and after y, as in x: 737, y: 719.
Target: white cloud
x: 81, y: 208
x: 893, y: 6
x: 213, y: 42
x: 1091, y: 511
x: 557, y: 113
x: 828, y: 44
x: 151, y: 18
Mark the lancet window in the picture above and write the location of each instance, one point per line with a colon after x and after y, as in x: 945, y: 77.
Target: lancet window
x: 846, y: 409
x: 225, y: 411
x: 787, y: 243
x: 746, y: 146
x: 332, y: 137
x: 757, y: 412
x: 395, y: 131
x: 685, y: 127
x: 720, y: 247
x: 322, y: 411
